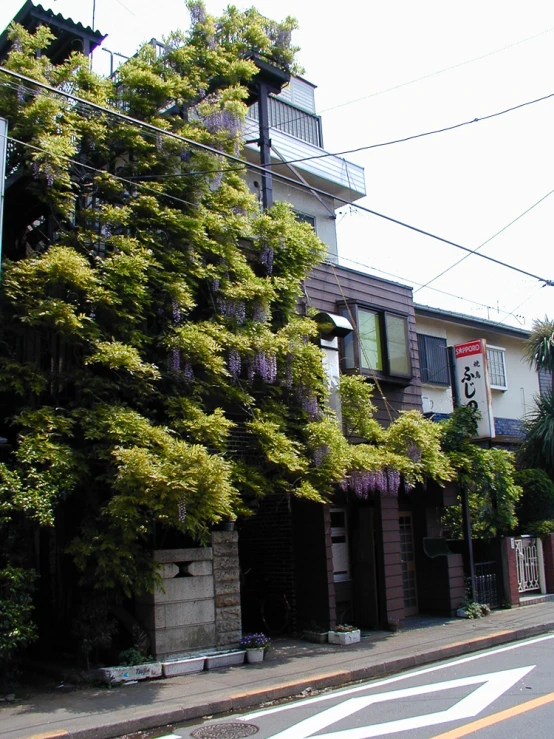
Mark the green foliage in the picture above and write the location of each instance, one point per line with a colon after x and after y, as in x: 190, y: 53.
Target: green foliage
x: 487, y: 476
x: 537, y: 450
x: 133, y: 656
x: 16, y: 627
x: 537, y: 501
x: 539, y: 347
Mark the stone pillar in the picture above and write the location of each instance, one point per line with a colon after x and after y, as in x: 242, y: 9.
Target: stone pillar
x: 180, y: 615
x: 509, y: 570
x: 548, y: 554
x: 226, y: 587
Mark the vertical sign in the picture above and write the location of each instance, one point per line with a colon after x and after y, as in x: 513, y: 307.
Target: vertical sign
x: 472, y: 383
x: 3, y: 157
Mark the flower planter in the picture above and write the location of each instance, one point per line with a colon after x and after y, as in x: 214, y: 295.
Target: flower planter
x: 343, y: 637
x: 126, y: 673
x: 183, y: 666
x: 227, y: 659
x: 317, y: 637
x: 253, y: 656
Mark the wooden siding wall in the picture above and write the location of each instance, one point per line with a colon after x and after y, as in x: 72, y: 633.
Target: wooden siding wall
x: 328, y: 285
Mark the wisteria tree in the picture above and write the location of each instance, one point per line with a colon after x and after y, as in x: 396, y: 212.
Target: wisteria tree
x: 149, y: 314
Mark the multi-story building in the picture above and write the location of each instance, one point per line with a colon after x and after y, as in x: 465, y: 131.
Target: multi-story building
x: 513, y: 382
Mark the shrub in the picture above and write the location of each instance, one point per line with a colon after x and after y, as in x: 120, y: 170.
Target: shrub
x: 17, y: 629
x: 537, y: 502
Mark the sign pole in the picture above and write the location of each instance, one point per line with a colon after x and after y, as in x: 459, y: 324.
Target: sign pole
x: 466, y: 518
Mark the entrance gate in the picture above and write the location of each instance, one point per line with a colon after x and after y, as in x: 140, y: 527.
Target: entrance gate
x: 527, y: 564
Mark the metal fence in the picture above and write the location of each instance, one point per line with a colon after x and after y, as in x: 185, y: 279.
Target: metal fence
x: 486, y: 583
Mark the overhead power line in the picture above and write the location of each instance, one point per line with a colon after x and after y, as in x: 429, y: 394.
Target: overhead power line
x: 487, y: 241
x: 439, y: 71
x: 420, y: 135
x: 258, y: 168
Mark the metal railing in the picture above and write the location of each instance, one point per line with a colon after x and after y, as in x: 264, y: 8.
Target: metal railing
x: 298, y: 123
x: 486, y: 584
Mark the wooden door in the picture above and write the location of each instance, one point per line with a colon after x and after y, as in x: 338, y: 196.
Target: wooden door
x: 408, y: 564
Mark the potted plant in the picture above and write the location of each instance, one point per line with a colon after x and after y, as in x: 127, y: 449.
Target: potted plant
x: 256, y: 646
x: 344, y: 634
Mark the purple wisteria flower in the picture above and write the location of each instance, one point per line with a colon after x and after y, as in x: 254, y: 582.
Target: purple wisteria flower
x: 182, y: 509
x: 263, y: 364
x: 320, y: 453
x: 197, y: 13
x: 259, y: 314
x: 223, y: 120
x: 309, y: 404
x: 414, y: 452
x: 188, y: 372
x: 176, y: 311
x: 234, y: 364
x: 266, y: 258
x: 288, y: 372
x: 231, y: 308
x: 174, y: 361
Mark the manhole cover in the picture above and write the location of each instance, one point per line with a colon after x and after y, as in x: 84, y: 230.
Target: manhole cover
x: 225, y: 731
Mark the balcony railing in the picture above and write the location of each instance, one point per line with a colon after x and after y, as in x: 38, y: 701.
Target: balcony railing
x: 291, y: 120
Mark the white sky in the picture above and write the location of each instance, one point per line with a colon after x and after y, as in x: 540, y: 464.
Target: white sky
x: 463, y: 185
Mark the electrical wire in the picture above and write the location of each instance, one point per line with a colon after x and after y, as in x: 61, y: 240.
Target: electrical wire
x: 487, y: 241
x: 413, y: 282
x: 102, y: 172
x: 420, y: 135
x: 283, y: 178
x: 439, y: 71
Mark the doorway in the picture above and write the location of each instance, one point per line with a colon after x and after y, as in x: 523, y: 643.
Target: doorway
x: 408, y: 564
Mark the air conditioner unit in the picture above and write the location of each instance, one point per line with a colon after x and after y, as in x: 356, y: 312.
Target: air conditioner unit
x: 426, y: 404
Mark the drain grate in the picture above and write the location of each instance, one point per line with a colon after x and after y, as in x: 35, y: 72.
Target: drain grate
x: 225, y: 731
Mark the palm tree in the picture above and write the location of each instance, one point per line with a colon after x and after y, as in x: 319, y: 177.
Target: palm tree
x: 537, y: 449
x: 539, y: 347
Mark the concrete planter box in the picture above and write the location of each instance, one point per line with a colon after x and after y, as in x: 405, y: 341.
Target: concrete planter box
x: 227, y: 659
x: 317, y: 637
x: 183, y: 666
x: 343, y: 637
x: 125, y: 674
x: 461, y: 613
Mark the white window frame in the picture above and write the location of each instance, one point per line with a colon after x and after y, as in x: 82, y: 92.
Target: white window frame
x: 343, y: 548
x: 502, y: 351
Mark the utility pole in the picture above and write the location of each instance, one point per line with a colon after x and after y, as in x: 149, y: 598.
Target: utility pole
x: 269, y: 79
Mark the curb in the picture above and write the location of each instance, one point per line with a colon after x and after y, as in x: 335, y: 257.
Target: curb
x: 334, y: 679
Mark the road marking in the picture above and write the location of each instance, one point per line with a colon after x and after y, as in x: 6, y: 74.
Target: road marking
x: 496, y: 718
x: 389, y: 680
x: 492, y: 686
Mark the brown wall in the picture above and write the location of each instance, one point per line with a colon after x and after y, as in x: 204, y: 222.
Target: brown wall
x: 328, y: 285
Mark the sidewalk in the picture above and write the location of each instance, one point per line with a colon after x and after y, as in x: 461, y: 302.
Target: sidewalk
x: 290, y: 668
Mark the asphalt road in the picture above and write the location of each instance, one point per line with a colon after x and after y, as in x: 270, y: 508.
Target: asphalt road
x: 508, y: 691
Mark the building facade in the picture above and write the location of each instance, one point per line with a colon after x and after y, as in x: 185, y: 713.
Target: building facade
x: 513, y: 382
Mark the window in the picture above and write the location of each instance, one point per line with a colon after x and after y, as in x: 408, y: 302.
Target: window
x: 433, y: 359
x: 497, y: 367
x: 305, y: 218
x: 380, y: 343
x: 339, y: 545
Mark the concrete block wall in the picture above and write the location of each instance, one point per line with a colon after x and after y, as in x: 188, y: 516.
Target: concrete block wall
x: 198, y: 603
